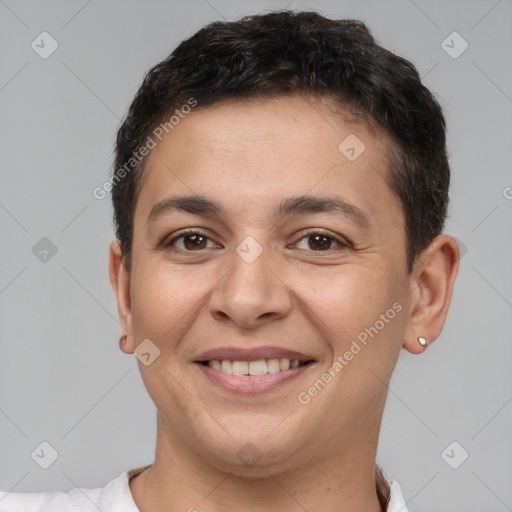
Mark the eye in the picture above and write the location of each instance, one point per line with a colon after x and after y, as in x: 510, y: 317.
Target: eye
x: 191, y: 241
x: 320, y: 242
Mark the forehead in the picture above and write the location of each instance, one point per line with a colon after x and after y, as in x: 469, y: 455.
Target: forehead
x: 256, y: 152
x: 296, y: 125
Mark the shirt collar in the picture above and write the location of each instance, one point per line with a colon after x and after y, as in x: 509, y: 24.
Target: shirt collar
x: 396, y: 500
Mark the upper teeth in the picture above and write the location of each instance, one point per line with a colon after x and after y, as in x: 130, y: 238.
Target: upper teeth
x: 259, y: 367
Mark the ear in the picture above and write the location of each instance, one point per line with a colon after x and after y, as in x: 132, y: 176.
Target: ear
x: 120, y: 281
x: 432, y: 282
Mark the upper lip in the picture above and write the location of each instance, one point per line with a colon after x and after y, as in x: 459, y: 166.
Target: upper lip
x: 252, y: 354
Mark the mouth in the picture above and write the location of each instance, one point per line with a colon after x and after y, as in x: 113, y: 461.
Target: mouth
x: 256, y: 370
x: 258, y: 367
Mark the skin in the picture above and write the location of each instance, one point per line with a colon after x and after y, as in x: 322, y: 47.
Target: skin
x: 248, y: 156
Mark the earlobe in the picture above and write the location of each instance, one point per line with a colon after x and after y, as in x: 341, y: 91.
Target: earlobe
x: 431, y: 291
x: 120, y: 281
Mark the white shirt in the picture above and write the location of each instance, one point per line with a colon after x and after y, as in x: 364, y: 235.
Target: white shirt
x: 117, y: 497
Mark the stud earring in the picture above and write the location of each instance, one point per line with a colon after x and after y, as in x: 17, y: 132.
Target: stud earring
x: 423, y: 341
x: 122, y: 340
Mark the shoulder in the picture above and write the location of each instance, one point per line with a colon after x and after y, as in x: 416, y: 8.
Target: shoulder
x: 396, y: 498
x: 115, y: 497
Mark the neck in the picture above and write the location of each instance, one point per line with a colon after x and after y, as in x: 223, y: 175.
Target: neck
x: 181, y: 480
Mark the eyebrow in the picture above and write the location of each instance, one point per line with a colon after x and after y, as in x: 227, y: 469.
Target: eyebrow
x: 201, y: 205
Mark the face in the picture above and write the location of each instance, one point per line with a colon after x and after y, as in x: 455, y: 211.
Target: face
x: 292, y: 253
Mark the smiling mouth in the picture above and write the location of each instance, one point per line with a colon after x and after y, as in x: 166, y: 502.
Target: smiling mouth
x: 259, y: 367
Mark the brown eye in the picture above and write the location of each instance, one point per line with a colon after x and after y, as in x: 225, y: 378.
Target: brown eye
x: 319, y: 242
x: 192, y: 241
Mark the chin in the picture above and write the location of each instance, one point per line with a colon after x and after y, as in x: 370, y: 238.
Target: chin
x: 250, y: 455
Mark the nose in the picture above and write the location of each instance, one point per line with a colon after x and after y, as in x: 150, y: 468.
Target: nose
x: 251, y: 293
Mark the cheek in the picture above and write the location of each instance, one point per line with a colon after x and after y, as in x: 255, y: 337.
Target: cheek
x: 164, y: 306
x: 361, y: 318
x: 346, y: 300
x: 166, y: 299
x: 371, y: 320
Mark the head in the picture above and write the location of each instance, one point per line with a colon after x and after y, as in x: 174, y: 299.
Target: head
x: 309, y: 166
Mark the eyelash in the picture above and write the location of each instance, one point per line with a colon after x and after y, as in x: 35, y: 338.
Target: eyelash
x: 340, y: 243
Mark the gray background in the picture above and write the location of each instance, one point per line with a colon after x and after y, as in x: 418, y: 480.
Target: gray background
x: 63, y: 378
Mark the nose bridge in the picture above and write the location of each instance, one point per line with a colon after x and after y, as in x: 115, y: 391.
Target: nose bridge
x: 251, y: 288
x: 250, y: 269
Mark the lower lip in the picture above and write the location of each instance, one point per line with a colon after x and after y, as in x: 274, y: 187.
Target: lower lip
x: 249, y: 384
